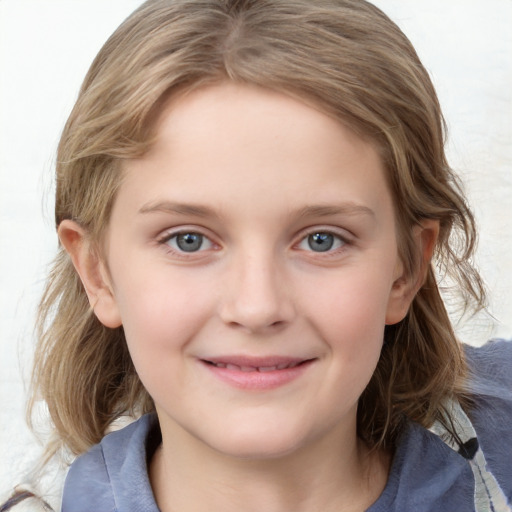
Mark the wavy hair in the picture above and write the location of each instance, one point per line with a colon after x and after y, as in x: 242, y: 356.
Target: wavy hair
x: 353, y: 63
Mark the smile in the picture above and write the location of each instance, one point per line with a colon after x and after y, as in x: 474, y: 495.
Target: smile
x: 230, y: 366
x: 257, y: 374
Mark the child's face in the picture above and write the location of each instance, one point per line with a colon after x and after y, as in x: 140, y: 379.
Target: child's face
x: 258, y: 232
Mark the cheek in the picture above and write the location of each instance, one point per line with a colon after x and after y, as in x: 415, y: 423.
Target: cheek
x: 349, y: 311
x: 159, y: 324
x: 161, y: 314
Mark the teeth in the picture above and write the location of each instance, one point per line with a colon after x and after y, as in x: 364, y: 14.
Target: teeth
x: 263, y: 369
x: 267, y: 368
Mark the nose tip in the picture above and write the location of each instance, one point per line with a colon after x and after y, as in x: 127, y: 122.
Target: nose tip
x: 252, y: 321
x: 257, y: 301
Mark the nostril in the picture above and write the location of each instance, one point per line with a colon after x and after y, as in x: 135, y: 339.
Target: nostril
x: 258, y: 327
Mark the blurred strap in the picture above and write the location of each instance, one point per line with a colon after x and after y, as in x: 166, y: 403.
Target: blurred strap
x: 489, y: 497
x: 20, y: 496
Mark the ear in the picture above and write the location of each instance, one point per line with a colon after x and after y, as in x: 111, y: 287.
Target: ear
x: 92, y: 272
x: 405, y: 286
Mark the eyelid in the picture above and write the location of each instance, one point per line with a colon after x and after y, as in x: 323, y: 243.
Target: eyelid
x: 171, y: 233
x: 346, y: 237
x: 341, y: 233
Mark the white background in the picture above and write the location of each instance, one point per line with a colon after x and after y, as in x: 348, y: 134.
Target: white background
x: 46, y: 47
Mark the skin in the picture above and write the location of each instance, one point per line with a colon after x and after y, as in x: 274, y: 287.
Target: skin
x: 256, y: 173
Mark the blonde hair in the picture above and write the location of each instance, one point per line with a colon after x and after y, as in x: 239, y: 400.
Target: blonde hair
x: 356, y: 65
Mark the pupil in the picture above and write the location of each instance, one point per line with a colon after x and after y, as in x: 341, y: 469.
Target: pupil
x: 189, y: 242
x: 320, y: 242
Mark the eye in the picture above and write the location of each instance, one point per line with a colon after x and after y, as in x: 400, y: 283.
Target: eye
x: 321, y: 241
x: 188, y: 242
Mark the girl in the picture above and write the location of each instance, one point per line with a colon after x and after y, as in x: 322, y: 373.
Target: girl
x: 249, y: 197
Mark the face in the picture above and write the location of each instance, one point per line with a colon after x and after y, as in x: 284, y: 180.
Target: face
x: 253, y: 264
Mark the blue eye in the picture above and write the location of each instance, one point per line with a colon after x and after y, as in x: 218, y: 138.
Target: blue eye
x: 321, y: 241
x: 189, y: 242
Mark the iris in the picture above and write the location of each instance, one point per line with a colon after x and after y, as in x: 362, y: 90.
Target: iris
x: 189, y: 242
x: 320, y: 242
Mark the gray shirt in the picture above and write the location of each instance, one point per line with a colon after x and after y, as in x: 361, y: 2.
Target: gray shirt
x: 426, y: 475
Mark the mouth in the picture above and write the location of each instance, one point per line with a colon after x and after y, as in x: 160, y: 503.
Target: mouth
x: 257, y: 373
x: 231, y: 366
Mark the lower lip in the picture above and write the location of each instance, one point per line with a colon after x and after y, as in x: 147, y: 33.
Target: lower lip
x: 258, y: 381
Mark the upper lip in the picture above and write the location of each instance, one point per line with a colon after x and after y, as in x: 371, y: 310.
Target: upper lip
x: 258, y: 363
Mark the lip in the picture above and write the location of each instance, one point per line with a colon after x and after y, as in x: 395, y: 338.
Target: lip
x: 257, y: 373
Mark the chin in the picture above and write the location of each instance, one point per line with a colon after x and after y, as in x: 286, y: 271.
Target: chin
x: 259, y: 444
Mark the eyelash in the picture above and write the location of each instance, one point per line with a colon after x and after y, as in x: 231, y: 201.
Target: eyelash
x: 341, y: 241
x: 166, y: 239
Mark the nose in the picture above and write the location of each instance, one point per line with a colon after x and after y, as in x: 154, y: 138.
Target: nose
x: 256, y: 297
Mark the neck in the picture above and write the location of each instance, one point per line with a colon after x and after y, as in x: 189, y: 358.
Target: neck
x: 333, y: 474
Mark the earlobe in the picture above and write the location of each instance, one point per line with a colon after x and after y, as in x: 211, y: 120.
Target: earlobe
x: 92, y: 272
x: 405, y: 287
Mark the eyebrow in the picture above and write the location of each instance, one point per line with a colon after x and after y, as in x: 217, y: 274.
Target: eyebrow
x: 178, y: 208
x: 348, y: 208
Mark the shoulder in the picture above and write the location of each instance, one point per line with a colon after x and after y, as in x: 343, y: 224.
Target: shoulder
x: 104, y: 477
x: 490, y: 375
x: 426, y: 475
x: 88, y: 483
x: 490, y: 382
x: 490, y: 364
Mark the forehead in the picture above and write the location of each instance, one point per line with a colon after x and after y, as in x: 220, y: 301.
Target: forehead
x: 227, y: 141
